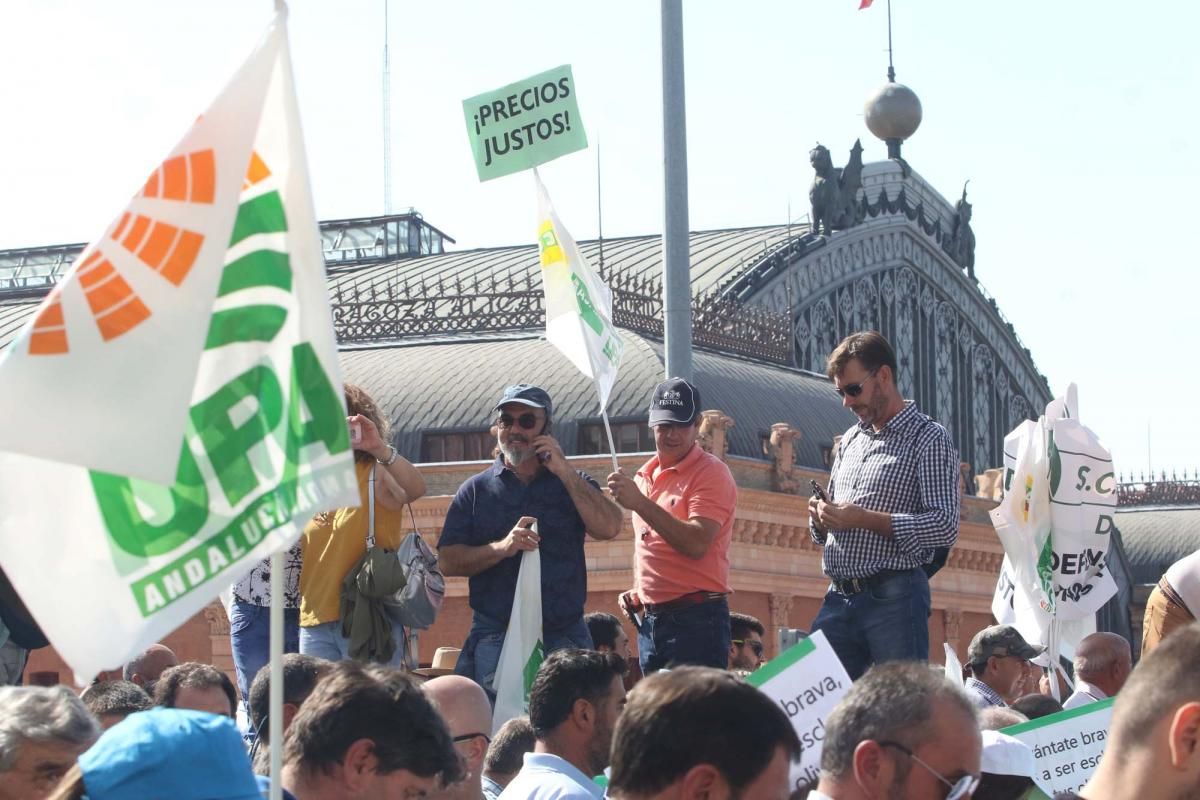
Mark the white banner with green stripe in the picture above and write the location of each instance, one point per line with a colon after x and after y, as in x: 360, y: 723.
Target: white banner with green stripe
x: 1066, y: 746
x: 109, y: 563
x: 807, y: 681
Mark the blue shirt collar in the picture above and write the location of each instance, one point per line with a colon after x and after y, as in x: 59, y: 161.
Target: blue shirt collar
x: 553, y: 763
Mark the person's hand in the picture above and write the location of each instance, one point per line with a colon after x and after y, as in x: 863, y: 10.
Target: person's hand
x: 624, y: 490
x: 837, y: 516
x: 550, y: 454
x: 812, y: 513
x: 370, y: 440
x: 629, y: 602
x: 521, y: 537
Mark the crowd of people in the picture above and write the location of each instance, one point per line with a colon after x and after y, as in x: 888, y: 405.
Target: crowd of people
x: 361, y: 719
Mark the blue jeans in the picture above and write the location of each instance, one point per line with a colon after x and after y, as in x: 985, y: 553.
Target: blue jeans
x: 480, y: 654
x: 326, y: 641
x: 887, y: 622
x: 250, y: 640
x: 697, y: 635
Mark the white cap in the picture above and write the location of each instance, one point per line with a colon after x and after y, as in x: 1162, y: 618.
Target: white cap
x: 1006, y: 755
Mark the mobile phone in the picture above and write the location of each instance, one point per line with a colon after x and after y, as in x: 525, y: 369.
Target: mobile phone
x: 819, y: 491
x: 355, y: 433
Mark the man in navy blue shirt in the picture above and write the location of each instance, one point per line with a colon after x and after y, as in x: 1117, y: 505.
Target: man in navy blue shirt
x: 493, y: 517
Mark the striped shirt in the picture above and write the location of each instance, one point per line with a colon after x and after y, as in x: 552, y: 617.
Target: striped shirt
x: 909, y: 469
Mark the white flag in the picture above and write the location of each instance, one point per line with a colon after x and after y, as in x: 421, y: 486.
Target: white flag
x: 523, y: 650
x: 1055, y: 523
x: 578, y: 304
x: 107, y: 562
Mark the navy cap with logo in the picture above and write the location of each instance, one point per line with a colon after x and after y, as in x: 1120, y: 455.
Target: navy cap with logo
x: 675, y: 401
x: 527, y: 395
x: 1000, y: 641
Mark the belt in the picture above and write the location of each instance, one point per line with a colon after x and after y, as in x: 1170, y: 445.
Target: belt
x: 684, y: 601
x: 1169, y: 592
x: 851, y: 586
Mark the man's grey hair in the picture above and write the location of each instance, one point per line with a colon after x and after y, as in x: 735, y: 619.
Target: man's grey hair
x: 994, y: 718
x: 892, y: 702
x: 37, y: 714
x: 1100, y: 651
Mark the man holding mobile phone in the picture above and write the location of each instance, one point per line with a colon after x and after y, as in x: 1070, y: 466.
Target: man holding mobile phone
x: 531, y: 498
x: 889, y: 515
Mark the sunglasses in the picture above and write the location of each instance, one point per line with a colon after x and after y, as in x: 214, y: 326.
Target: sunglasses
x: 963, y: 787
x: 854, y: 389
x: 756, y: 646
x: 466, y: 737
x: 528, y: 421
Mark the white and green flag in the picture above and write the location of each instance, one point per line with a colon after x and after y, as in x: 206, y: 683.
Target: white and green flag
x: 523, y: 649
x: 201, y: 322
x: 578, y: 304
x: 1055, y: 522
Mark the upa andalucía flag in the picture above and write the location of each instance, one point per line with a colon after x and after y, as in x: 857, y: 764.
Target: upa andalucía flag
x: 194, y: 332
x: 578, y: 304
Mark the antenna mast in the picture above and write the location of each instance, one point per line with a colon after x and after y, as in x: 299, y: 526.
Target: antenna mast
x: 387, y: 118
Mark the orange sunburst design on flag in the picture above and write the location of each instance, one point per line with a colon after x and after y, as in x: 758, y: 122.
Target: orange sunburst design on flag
x: 167, y: 249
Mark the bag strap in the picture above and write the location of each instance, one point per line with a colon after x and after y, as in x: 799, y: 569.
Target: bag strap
x: 413, y: 518
x: 371, y: 509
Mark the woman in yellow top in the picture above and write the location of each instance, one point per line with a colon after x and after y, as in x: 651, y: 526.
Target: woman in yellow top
x: 334, y: 541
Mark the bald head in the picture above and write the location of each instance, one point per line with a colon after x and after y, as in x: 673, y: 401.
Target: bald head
x: 465, y: 707
x: 462, y: 703
x: 1105, y: 660
x: 147, y: 667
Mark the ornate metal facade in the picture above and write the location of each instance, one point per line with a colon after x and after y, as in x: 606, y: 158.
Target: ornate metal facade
x: 957, y: 356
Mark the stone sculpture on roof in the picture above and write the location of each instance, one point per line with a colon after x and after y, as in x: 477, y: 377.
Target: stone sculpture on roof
x: 834, y: 192
x: 961, y: 244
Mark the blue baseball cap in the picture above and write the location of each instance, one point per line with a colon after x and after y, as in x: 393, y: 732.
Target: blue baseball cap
x: 527, y: 395
x: 675, y: 402
x: 170, y: 752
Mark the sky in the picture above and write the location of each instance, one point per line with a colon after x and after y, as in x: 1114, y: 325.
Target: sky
x: 1072, y: 123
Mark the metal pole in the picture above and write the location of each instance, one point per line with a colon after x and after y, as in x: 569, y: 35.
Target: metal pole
x: 677, y: 301
x: 275, y: 694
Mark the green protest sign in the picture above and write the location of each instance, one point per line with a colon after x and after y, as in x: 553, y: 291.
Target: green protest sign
x: 524, y: 124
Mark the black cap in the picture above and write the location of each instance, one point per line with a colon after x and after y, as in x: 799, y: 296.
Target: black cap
x: 675, y: 401
x: 527, y: 395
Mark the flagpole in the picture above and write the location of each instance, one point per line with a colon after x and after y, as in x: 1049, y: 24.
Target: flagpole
x: 612, y: 448
x: 275, y: 708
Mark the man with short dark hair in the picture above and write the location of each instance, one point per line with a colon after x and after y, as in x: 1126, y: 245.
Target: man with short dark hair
x: 367, y: 732
x: 607, y: 634
x: 890, y: 515
x: 1103, y: 662
x: 999, y: 660
x: 1153, y: 747
x: 146, y: 667
x: 505, y: 755
x: 697, y: 732
x: 112, y: 701
x: 42, y: 732
x: 531, y: 498
x: 200, y: 687
x: 902, y: 732
x: 468, y: 714
x: 683, y: 501
x: 574, y: 704
x: 300, y: 676
x: 1034, y: 705
x: 745, y: 642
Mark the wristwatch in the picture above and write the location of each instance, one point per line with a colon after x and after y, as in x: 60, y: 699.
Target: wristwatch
x: 392, y: 460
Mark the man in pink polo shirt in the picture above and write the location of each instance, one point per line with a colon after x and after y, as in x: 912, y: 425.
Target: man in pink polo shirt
x: 682, y: 502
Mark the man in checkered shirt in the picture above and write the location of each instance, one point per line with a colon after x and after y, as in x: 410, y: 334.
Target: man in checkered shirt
x: 891, y: 514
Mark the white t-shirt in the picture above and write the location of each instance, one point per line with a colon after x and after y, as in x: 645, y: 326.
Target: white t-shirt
x: 1184, y: 577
